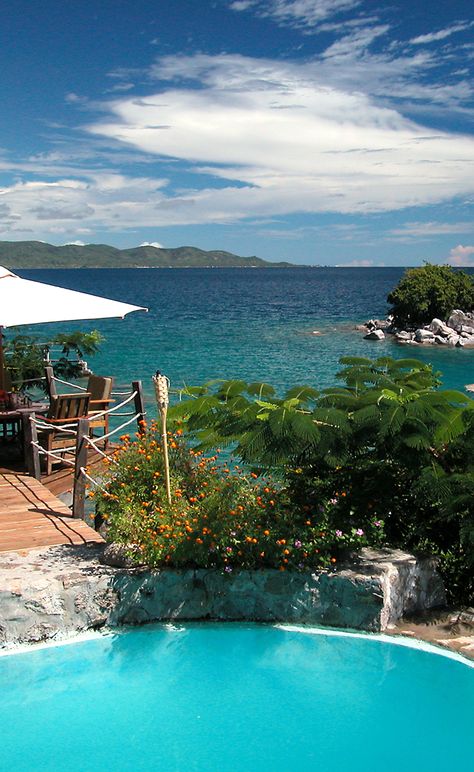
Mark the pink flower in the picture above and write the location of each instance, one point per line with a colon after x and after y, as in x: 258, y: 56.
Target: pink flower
x: 339, y: 533
x: 359, y: 532
x: 297, y: 543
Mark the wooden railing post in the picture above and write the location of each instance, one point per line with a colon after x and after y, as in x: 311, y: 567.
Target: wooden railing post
x: 50, y: 384
x: 30, y: 451
x: 139, y: 405
x: 79, y: 492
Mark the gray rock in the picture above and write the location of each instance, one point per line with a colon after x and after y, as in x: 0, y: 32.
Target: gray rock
x: 119, y: 555
x: 369, y: 593
x: 375, y: 335
x: 404, y: 336
x: 457, y: 319
x: 424, y: 336
x: 440, y: 328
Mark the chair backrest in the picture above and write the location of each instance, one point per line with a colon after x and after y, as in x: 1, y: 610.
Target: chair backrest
x: 99, y: 387
x: 69, y: 406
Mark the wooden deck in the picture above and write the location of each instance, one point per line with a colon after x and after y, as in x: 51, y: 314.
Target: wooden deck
x: 32, y: 517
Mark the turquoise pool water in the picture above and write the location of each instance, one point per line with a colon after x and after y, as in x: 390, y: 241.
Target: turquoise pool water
x: 228, y: 697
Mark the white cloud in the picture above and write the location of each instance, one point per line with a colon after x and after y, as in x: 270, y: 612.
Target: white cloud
x: 273, y: 137
x: 298, y: 13
x: 433, y: 37
x: 74, y: 244
x: 293, y: 143
x: 432, y: 228
x: 462, y: 256
x: 152, y: 244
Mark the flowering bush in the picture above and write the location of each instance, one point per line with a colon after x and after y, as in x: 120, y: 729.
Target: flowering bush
x: 220, y: 517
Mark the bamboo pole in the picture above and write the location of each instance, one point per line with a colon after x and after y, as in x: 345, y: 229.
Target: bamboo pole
x: 162, y: 400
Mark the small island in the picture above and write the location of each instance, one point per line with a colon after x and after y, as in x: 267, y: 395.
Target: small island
x: 37, y: 254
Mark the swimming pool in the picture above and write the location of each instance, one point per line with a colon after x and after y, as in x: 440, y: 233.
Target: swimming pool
x: 224, y: 697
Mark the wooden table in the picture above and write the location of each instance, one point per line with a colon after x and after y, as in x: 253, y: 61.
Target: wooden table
x: 11, y: 422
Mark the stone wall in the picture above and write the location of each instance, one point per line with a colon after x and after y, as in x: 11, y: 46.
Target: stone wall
x: 60, y: 591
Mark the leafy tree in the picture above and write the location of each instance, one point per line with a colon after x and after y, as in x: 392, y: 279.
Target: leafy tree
x: 387, y: 444
x: 430, y: 291
x: 26, y: 356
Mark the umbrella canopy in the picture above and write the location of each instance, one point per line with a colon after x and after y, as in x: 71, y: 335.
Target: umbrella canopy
x: 31, y: 302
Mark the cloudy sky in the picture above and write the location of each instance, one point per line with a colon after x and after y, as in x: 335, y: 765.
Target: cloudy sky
x: 315, y: 131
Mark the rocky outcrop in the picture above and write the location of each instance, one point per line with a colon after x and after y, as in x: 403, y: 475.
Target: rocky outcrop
x: 62, y: 591
x: 458, y: 331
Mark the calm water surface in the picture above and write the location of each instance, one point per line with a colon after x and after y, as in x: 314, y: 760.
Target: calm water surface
x: 234, y: 698
x: 243, y: 323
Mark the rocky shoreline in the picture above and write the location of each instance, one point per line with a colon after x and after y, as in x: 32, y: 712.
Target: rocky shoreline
x: 457, y: 331
x: 58, y: 592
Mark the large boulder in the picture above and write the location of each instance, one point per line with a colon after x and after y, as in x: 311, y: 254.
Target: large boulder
x: 403, y: 336
x: 424, y: 336
x: 375, y: 335
x: 440, y: 328
x: 460, y: 319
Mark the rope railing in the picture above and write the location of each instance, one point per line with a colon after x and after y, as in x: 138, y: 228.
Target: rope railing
x: 68, y: 383
x: 119, y: 428
x: 84, y: 388
x: 66, y: 428
x: 93, y: 444
x: 94, y: 416
x: 91, y: 479
x: 43, y: 452
x: 29, y: 380
x: 78, y: 430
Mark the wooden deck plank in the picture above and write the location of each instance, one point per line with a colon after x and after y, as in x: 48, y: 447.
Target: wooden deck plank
x: 31, y: 516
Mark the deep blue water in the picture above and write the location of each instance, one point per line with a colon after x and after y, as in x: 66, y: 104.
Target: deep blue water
x: 234, y: 698
x: 243, y: 323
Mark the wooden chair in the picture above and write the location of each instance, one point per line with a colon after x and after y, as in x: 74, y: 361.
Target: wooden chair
x: 100, y: 389
x: 64, y: 409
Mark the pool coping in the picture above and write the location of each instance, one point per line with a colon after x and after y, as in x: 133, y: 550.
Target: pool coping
x: 396, y: 640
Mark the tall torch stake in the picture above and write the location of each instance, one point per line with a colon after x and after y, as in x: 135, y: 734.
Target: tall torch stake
x: 162, y: 400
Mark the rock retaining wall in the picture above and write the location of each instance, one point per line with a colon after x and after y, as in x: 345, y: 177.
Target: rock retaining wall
x: 61, y: 591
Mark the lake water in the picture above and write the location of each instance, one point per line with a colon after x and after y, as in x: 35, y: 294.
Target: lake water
x: 234, y: 698
x: 255, y: 324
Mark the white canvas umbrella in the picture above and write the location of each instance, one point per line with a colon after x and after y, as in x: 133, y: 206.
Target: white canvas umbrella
x: 31, y: 302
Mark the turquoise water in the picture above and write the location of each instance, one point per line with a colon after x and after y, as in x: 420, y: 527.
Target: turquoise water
x: 251, y: 324
x: 231, y: 698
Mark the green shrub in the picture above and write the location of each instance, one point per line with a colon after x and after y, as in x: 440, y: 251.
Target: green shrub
x: 220, y: 517
x: 428, y: 292
x: 387, y: 445
x: 26, y: 356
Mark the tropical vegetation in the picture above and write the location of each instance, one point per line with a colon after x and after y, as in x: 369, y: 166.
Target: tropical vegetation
x: 386, y: 456
x: 428, y: 292
x: 26, y: 356
x: 221, y: 516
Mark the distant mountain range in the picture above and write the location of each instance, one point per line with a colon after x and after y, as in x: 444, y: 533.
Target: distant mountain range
x: 36, y: 254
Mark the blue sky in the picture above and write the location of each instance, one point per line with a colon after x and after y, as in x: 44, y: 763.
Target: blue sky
x: 316, y: 131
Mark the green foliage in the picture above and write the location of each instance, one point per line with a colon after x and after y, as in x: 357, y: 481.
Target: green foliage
x: 26, y: 357
x: 219, y: 517
x: 430, y: 291
x: 388, y: 445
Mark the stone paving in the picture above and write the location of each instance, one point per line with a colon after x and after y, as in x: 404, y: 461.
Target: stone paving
x: 453, y: 629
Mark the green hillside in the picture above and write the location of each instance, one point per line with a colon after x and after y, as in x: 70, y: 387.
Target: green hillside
x: 36, y: 254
